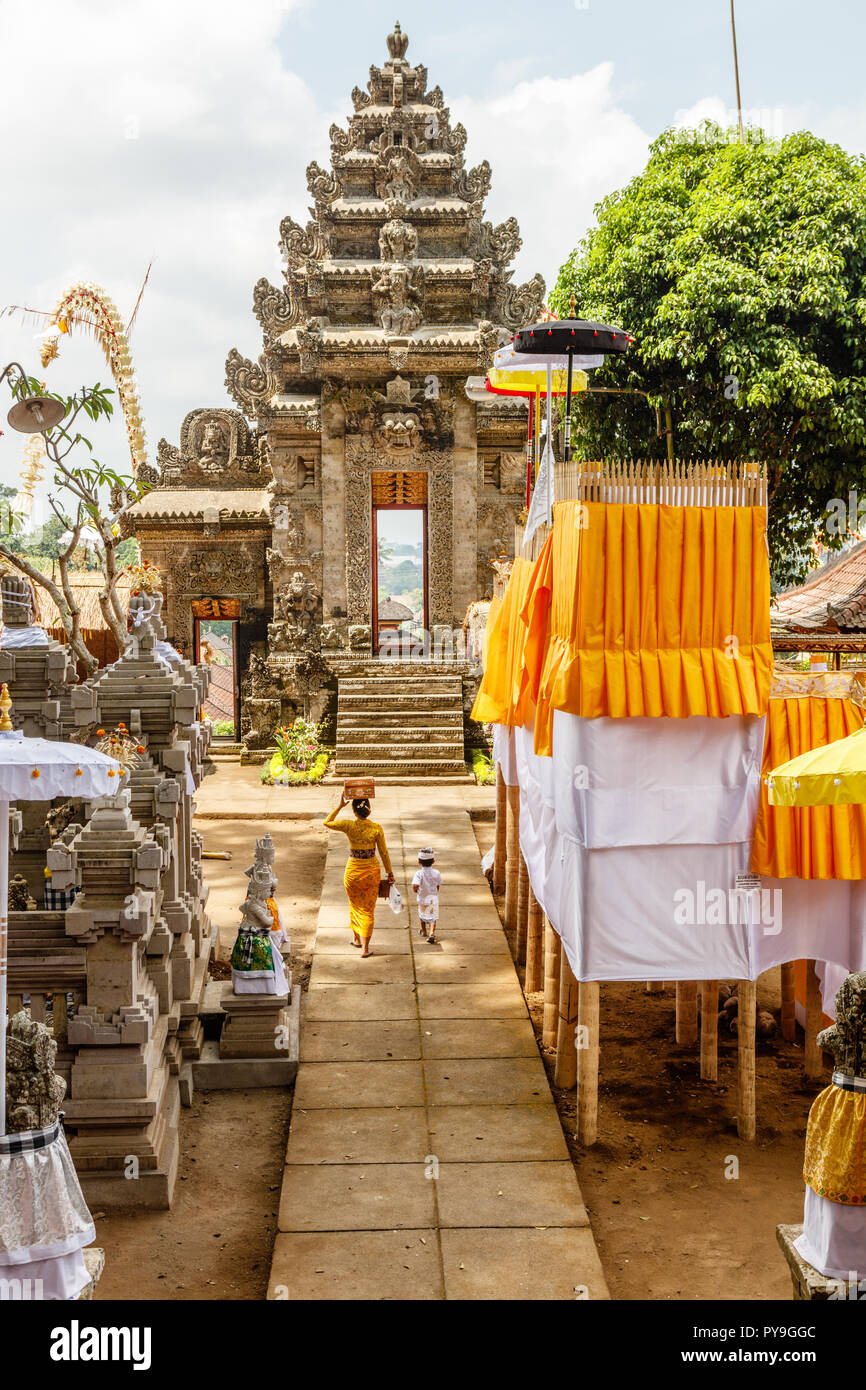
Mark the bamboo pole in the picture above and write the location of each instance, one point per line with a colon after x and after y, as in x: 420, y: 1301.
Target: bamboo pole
x: 814, y: 1059
x: 687, y: 1012
x: 655, y: 986
x: 501, y: 832
x: 746, y: 1013
x: 565, y: 1072
x: 552, y: 960
x: 789, y: 1016
x: 710, y: 1030
x: 522, y: 911
x: 512, y: 858
x: 534, y: 978
x: 587, y: 1062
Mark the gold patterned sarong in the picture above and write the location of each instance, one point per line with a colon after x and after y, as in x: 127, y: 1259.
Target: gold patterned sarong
x: 361, y: 881
x: 835, y: 1161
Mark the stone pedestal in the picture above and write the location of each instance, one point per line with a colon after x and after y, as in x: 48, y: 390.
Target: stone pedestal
x: 256, y: 1026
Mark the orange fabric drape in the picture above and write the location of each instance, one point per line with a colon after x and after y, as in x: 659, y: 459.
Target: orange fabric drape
x: 499, y: 697
x: 649, y: 610
x: 809, y: 841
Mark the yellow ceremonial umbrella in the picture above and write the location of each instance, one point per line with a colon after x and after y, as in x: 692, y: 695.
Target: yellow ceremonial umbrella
x: 519, y: 374
x: 834, y: 775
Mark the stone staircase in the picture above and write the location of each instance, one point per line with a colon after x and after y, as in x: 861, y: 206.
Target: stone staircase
x: 400, y: 726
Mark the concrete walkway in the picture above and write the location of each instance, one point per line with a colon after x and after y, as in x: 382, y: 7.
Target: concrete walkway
x: 425, y: 1156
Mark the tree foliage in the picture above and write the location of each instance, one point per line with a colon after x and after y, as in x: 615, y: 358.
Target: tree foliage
x: 740, y: 267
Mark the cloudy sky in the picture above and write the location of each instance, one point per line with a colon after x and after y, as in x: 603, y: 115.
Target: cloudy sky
x: 178, y: 131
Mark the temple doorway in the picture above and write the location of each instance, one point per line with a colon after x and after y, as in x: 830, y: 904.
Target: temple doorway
x: 216, y: 646
x: 399, y: 562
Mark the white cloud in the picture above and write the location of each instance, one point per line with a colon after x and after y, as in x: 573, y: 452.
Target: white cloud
x: 556, y: 146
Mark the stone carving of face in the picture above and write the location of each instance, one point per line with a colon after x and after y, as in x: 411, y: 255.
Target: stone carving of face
x: 399, y: 430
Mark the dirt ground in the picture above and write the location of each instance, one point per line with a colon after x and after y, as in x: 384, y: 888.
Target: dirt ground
x: 668, y: 1220
x: 216, y: 1241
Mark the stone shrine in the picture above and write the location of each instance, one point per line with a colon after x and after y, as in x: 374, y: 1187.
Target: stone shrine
x: 265, y: 517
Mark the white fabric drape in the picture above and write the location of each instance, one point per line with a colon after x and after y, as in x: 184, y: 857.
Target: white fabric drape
x: 834, y: 1237
x: 634, y: 833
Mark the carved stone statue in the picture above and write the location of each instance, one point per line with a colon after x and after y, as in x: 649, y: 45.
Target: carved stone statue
x: 395, y: 179
x: 33, y: 1091
x: 257, y: 966
x: 214, y: 455
x: 398, y: 240
x: 16, y: 596
x: 399, y: 431
x: 20, y: 899
x: 846, y: 1038
x: 399, y: 313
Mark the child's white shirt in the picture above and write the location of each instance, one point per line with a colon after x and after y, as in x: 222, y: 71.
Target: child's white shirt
x: 428, y: 882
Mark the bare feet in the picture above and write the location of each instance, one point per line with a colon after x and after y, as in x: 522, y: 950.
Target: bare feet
x: 365, y: 953
x: 356, y: 941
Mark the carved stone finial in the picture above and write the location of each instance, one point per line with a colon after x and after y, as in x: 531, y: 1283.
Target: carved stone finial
x: 34, y: 1092
x: 398, y: 42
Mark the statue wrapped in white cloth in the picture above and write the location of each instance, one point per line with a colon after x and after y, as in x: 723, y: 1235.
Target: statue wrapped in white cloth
x: 256, y: 959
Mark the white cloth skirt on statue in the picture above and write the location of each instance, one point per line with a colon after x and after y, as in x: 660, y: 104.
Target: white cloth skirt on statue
x: 44, y: 1220
x: 265, y: 981
x: 834, y: 1237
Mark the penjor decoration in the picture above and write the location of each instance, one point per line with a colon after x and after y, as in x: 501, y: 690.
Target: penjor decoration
x: 257, y: 965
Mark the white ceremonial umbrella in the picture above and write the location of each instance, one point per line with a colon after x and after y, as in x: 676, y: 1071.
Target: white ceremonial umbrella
x: 38, y: 769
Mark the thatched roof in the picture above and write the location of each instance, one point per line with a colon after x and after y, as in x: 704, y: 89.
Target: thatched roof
x: 86, y: 587
x: 389, y: 610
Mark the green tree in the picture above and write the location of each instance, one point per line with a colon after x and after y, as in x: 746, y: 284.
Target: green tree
x: 85, y: 500
x: 740, y: 267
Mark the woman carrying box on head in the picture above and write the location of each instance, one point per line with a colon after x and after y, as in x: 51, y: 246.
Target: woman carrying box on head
x: 361, y: 879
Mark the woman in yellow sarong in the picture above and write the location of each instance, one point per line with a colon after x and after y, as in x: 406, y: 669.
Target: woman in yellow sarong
x: 361, y: 879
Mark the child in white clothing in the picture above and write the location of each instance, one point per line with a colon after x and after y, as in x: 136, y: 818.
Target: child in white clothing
x: 425, y: 885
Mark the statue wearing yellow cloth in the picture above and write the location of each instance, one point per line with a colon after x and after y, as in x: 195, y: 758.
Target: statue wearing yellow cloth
x: 361, y: 879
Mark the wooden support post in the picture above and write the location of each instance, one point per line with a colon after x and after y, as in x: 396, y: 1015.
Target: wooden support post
x: 746, y: 1013
x: 565, y: 1073
x: 710, y: 1030
x: 687, y: 1012
x: 814, y: 1060
x: 655, y: 986
x: 534, y: 978
x: 552, y: 958
x: 789, y: 1016
x: 522, y: 912
x: 512, y: 858
x: 501, y: 833
x: 587, y: 1063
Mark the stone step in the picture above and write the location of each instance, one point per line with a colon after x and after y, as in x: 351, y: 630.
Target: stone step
x: 385, y: 721
x: 384, y: 738
x: 388, y: 752
x: 446, y: 686
x: 398, y: 700
x: 430, y: 767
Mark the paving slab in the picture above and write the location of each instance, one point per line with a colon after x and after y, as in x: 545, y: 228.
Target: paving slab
x: 472, y: 1001
x: 482, y: 1037
x: 387, y: 941
x: 375, y: 1041
x: 358, y: 1197
x: 509, y: 1194
x: 350, y: 1085
x: 487, y: 1081
x: 492, y: 1134
x: 480, y: 942
x: 365, y: 1136
x: 357, y: 1265
x: 465, y: 969
x: 361, y: 1001
x: 512, y: 1264
x: 350, y: 969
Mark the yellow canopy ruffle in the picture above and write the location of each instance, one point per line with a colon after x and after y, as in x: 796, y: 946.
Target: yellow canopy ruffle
x: 499, y: 696
x: 808, y: 841
x: 649, y: 610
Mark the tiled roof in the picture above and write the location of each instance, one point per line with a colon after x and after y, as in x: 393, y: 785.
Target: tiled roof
x: 833, y: 598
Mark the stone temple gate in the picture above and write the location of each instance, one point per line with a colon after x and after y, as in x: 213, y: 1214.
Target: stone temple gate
x: 264, y: 519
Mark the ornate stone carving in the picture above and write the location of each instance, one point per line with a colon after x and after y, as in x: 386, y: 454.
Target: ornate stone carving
x: 296, y: 607
x: 398, y: 240
x: 275, y: 309
x: 498, y: 244
x: 248, y: 383
x: 397, y: 175
x: 34, y: 1092
x: 216, y: 570
x: 517, y: 305
x: 398, y: 42
x: 846, y: 1039
x: 396, y: 300
x: 473, y: 184
x: 360, y: 98
x: 324, y: 185
x: 170, y: 462
x: 297, y: 243
x: 216, y: 442
x: 398, y: 431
